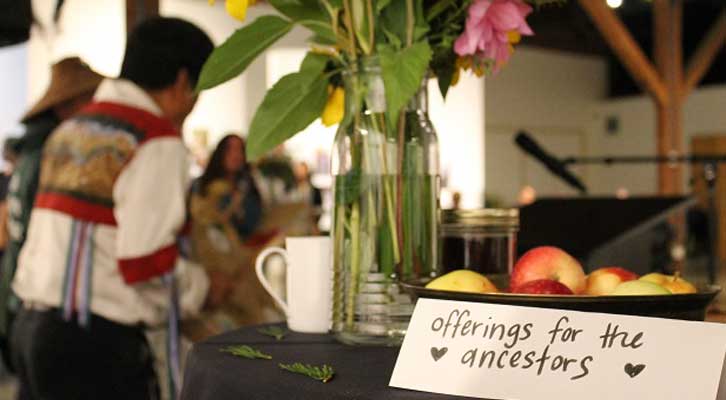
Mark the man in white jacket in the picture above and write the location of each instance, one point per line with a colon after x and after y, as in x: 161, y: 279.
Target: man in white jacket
x: 101, y: 261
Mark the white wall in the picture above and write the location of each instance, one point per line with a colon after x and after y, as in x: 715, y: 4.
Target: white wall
x: 94, y: 30
x: 554, y: 97
x: 703, y: 113
x: 13, y: 78
x: 560, y: 99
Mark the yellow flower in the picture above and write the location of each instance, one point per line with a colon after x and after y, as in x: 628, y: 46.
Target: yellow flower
x: 333, y: 111
x: 236, y: 8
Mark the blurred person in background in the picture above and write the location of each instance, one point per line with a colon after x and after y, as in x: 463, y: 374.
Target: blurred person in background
x: 276, y: 177
x: 100, y: 263
x: 226, y: 215
x: 10, y: 156
x: 72, y: 84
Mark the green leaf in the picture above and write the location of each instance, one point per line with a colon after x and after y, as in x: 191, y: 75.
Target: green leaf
x: 381, y: 4
x: 402, y: 74
x: 290, y: 106
x: 297, y: 11
x: 323, y: 374
x: 246, y: 352
x: 274, y: 331
x: 360, y: 25
x: 239, y: 50
x: 322, y: 30
x: 443, y: 66
x: 313, y: 64
x: 308, y: 14
x: 438, y: 8
x: 348, y: 187
x: 421, y: 26
x: 393, y: 19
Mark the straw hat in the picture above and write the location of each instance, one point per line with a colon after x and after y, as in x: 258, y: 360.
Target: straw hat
x: 69, y: 79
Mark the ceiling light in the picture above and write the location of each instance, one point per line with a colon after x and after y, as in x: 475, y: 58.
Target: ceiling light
x: 615, y: 3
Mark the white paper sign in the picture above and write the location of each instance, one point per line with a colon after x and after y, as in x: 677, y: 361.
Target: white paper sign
x: 508, y: 352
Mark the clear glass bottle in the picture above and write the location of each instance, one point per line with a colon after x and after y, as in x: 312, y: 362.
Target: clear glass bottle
x: 385, y: 218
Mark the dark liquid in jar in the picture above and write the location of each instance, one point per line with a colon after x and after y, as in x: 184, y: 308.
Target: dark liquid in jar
x: 483, y: 254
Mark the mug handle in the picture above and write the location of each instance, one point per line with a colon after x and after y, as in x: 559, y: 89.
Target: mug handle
x: 260, y: 265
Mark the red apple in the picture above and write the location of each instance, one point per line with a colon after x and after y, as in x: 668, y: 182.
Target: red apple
x: 603, y: 281
x: 542, y: 286
x: 548, y: 262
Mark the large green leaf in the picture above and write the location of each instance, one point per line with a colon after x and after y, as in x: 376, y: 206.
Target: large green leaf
x: 402, y: 74
x: 294, y: 102
x: 239, y: 50
x: 308, y: 14
x: 313, y: 64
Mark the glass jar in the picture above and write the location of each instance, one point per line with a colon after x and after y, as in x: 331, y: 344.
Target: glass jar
x: 385, y: 220
x: 482, y: 240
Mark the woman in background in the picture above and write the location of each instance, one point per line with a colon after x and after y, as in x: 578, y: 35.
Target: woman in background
x: 228, y: 182
x: 226, y: 211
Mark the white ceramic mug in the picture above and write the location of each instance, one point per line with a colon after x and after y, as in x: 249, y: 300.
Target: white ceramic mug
x: 308, y: 282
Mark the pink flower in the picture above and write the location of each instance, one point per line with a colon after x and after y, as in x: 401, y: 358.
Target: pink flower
x: 491, y: 28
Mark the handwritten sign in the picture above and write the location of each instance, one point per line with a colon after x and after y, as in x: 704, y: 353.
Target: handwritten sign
x: 508, y: 352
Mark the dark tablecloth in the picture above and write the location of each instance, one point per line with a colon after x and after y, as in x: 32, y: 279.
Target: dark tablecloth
x: 360, y: 372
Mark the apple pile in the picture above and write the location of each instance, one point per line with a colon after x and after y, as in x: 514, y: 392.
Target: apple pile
x: 549, y: 270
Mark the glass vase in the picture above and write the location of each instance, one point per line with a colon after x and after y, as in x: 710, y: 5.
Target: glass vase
x: 385, y: 219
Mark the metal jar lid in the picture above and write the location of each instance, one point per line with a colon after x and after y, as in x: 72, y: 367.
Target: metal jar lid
x: 502, y: 218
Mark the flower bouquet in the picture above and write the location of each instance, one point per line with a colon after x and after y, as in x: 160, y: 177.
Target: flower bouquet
x: 367, y: 68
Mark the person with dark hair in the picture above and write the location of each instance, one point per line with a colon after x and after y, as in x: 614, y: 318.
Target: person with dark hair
x: 101, y: 261
x: 228, y: 168
x: 72, y: 84
x: 226, y: 210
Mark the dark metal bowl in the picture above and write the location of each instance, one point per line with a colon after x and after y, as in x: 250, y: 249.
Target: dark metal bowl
x: 676, y: 306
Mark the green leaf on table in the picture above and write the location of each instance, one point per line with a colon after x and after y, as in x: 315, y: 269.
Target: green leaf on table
x: 274, y: 331
x: 402, y: 74
x: 323, y: 374
x: 293, y: 103
x: 233, y: 56
x: 246, y: 352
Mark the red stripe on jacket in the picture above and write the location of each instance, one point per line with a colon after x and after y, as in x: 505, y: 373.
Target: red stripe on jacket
x: 143, y: 268
x: 76, y: 208
x: 152, y: 125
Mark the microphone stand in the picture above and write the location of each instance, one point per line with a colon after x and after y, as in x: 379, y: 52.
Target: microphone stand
x: 710, y: 172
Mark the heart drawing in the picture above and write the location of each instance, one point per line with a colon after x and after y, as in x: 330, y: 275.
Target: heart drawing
x: 630, y: 369
x: 438, y: 353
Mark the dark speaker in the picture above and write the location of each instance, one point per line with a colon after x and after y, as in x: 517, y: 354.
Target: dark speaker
x: 15, y: 21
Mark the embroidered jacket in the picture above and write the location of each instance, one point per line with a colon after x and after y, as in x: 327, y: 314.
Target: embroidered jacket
x: 110, y: 205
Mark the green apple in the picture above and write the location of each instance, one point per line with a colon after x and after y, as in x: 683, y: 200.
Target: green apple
x: 463, y: 280
x: 639, y: 288
x: 675, y: 284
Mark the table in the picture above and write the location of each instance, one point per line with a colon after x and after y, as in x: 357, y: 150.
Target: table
x: 361, y: 372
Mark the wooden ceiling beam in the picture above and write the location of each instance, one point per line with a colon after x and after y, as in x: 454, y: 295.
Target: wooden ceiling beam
x: 626, y: 48
x: 668, y: 55
x: 706, y: 52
